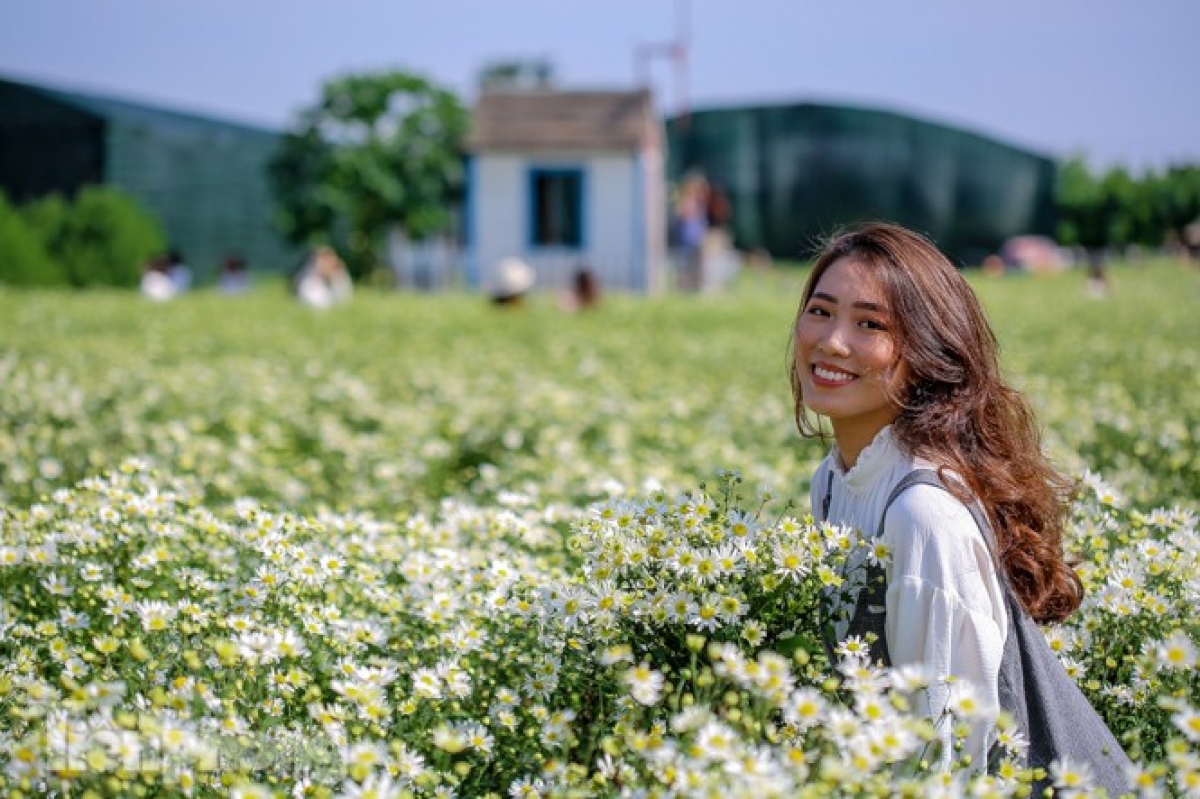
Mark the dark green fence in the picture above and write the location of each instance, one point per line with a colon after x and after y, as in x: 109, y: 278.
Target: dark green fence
x: 794, y: 173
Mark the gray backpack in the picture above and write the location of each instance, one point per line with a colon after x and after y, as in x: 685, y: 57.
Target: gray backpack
x: 1034, y: 688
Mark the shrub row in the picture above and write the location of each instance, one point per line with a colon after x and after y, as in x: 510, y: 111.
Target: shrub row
x: 100, y: 238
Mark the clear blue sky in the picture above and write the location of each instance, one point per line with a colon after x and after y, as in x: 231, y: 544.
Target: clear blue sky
x: 1115, y: 79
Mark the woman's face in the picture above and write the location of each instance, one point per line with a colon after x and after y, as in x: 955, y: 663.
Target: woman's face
x: 846, y: 351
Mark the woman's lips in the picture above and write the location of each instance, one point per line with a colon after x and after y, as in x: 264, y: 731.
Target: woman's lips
x: 828, y: 376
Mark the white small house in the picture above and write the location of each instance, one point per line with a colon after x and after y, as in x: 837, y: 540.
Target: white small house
x: 567, y: 180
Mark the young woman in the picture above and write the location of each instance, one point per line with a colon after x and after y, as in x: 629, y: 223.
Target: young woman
x: 892, y: 346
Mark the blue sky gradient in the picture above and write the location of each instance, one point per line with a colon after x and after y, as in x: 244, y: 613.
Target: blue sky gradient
x: 1112, y: 79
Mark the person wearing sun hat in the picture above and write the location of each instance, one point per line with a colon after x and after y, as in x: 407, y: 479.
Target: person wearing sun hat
x: 513, y: 279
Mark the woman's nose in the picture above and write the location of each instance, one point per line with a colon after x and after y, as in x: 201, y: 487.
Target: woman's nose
x: 834, y: 342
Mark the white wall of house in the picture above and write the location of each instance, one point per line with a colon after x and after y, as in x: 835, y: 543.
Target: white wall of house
x: 620, y: 228
x: 652, y: 172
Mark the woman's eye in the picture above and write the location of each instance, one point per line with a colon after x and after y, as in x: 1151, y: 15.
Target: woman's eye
x: 873, y: 324
x: 817, y: 311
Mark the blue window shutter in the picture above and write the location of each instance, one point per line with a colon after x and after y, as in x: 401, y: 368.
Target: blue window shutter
x: 556, y: 203
x: 471, y: 221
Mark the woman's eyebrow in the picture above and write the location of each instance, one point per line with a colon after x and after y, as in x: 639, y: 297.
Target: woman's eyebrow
x: 866, y: 306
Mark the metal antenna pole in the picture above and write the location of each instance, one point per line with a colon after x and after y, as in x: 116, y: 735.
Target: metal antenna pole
x: 676, y: 51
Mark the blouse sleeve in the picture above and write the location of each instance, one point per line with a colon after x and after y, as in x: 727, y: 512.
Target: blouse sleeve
x: 945, y: 609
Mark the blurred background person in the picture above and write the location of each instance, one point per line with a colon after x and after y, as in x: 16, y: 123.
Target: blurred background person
x: 156, y: 281
x: 235, y: 278
x: 514, y: 279
x: 323, y: 280
x: 584, y: 292
x: 689, y: 226
x: 178, y: 271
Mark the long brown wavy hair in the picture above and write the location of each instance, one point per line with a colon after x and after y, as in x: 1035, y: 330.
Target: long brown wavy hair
x: 957, y: 412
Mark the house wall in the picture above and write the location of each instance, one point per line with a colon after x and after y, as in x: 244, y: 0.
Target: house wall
x: 615, y: 236
x: 652, y: 175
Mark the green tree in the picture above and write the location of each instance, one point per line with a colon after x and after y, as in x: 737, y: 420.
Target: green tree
x: 1081, y: 207
x: 1123, y: 214
x: 23, y: 259
x: 1179, y: 199
x: 46, y: 218
x: 1148, y: 226
x: 102, y: 238
x: 377, y: 151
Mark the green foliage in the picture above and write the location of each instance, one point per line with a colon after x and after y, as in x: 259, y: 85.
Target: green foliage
x: 103, y: 238
x: 377, y: 151
x: 1123, y: 208
x: 107, y: 239
x: 308, y: 207
x: 23, y: 259
x: 1179, y: 198
x: 1116, y: 209
x: 47, y: 217
x: 1080, y: 206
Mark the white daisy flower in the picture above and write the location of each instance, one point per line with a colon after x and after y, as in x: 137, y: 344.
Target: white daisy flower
x: 645, y: 684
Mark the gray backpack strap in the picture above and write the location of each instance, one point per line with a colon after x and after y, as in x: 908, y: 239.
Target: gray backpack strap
x: 929, y: 477
x: 828, y: 497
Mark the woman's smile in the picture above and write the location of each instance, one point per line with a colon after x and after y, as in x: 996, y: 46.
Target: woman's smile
x: 828, y: 376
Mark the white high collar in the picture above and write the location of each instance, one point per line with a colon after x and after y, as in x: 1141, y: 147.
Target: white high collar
x: 878, y: 457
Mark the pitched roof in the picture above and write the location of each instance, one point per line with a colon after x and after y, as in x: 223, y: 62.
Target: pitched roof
x: 573, y: 120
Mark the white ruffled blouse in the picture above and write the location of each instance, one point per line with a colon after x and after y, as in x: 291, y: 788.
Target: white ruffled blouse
x: 945, y: 606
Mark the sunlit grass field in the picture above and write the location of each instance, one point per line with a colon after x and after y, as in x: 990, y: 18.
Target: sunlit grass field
x: 398, y: 400
x: 421, y: 546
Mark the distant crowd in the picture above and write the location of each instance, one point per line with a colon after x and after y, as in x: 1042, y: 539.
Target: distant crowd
x: 320, y: 281
x: 167, y: 276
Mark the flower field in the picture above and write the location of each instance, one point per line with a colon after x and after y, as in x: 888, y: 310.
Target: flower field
x: 417, y: 546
